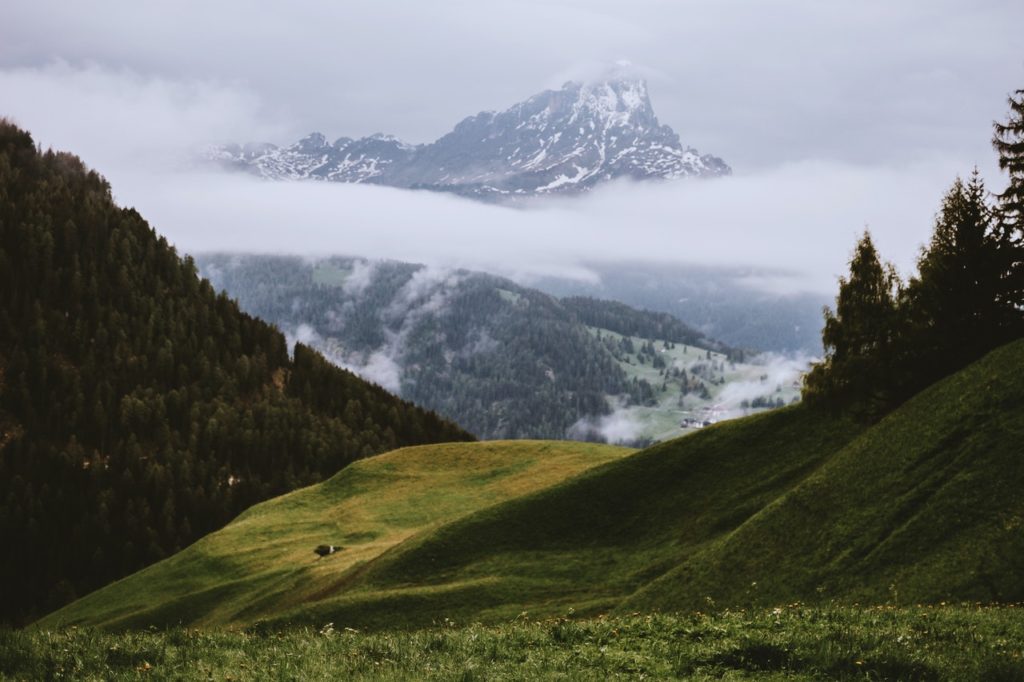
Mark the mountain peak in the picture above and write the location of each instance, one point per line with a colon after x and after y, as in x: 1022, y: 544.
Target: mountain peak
x: 555, y: 142
x: 614, y: 96
x: 313, y: 142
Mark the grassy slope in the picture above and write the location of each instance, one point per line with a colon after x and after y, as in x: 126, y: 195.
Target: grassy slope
x: 592, y: 541
x: 778, y: 507
x: 925, y: 506
x: 263, y: 562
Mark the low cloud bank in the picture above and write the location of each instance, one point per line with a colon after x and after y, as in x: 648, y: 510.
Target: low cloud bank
x: 798, y: 219
x: 123, y: 122
x: 426, y: 293
x: 380, y: 366
x: 777, y: 373
x: 765, y: 221
x: 619, y: 427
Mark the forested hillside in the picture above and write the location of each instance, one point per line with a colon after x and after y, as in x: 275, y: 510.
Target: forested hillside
x: 139, y: 410
x: 503, y: 360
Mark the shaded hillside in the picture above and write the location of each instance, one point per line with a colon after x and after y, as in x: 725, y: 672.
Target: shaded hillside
x: 594, y: 541
x: 139, y: 410
x: 623, y: 319
x: 788, y: 506
x: 584, y: 544
x: 509, y: 362
x: 926, y: 506
x: 263, y: 562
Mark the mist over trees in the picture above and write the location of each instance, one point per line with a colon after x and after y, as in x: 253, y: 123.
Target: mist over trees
x: 500, y: 359
x: 888, y: 339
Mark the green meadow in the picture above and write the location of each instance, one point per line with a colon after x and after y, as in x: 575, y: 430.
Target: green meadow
x: 791, y: 642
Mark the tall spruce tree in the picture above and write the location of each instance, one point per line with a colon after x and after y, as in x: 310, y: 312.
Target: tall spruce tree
x: 1008, y: 141
x: 859, y: 338
x: 956, y: 306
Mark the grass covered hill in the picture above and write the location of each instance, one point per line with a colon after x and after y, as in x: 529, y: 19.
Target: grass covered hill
x: 263, y: 562
x: 139, y: 410
x: 790, y: 505
x: 925, y: 506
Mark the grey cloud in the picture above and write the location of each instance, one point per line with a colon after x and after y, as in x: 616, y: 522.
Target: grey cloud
x: 427, y: 289
x: 756, y: 83
x: 360, y: 277
x: 777, y: 370
x: 121, y: 121
x: 381, y: 366
x: 616, y: 428
x: 382, y: 369
x: 802, y: 218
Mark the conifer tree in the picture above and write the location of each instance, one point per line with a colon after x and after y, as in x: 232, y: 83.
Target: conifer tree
x: 955, y: 304
x: 1008, y: 141
x: 859, y: 338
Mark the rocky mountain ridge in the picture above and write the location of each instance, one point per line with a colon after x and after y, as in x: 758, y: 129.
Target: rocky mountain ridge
x: 556, y: 142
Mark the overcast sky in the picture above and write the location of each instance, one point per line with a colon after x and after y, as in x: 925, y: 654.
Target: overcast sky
x: 833, y: 115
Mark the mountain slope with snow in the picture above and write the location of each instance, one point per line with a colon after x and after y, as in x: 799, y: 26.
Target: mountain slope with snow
x: 556, y: 142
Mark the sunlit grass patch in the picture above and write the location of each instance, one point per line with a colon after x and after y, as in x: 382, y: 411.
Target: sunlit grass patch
x: 263, y: 562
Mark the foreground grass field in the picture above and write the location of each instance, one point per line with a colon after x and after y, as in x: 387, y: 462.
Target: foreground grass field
x: 786, y: 643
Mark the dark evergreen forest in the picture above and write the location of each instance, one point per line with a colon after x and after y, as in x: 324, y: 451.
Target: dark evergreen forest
x: 140, y: 410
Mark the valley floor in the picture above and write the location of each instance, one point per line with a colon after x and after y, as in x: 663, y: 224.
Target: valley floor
x: 792, y: 643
